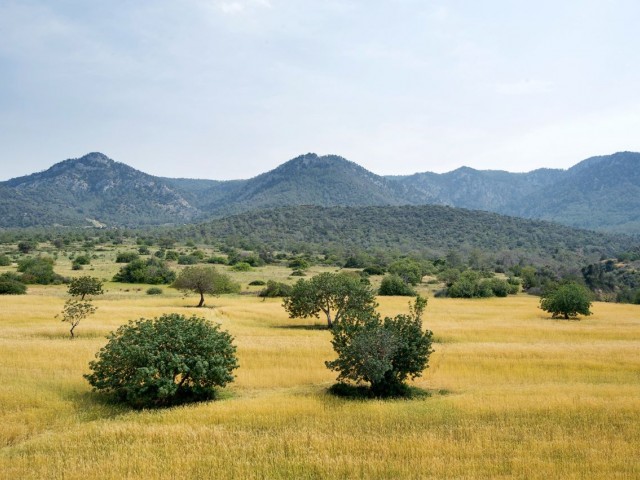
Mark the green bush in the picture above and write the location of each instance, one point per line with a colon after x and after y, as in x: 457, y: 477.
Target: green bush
x: 171, y: 256
x: 154, y: 291
x: 188, y: 260
x: 384, y: 353
x: 275, y: 289
x: 164, y: 361
x: 126, y: 257
x: 82, y: 260
x: 257, y: 283
x: 374, y: 270
x: 38, y: 270
x: 298, y: 263
x: 241, y: 267
x: 5, y: 261
x: 10, y: 284
x: 394, y: 285
x: 152, y: 270
x: 216, y: 259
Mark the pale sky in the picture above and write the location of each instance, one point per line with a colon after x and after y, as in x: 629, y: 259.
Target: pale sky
x: 226, y: 89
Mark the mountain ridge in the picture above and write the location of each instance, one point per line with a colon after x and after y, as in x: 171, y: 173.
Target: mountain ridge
x: 597, y: 193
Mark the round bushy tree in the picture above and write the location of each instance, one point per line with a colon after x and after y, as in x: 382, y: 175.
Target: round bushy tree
x: 567, y: 300
x: 384, y: 353
x: 164, y: 361
x: 394, y: 285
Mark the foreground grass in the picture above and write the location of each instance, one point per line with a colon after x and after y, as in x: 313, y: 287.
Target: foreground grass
x: 513, y: 394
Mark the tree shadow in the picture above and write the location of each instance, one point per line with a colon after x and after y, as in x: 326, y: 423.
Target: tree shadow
x: 363, y: 392
x: 316, y: 326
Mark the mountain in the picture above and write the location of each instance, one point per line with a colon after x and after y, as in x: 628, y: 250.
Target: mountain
x: 466, y: 187
x: 601, y: 193
x: 312, y: 180
x: 92, y: 190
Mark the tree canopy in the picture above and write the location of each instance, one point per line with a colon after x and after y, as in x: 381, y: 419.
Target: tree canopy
x: 384, y: 353
x: 205, y: 279
x: 85, y: 285
x: 333, y: 294
x: 567, y: 300
x: 164, y: 361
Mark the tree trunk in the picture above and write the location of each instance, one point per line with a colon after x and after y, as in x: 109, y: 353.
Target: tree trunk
x: 71, y: 332
x: 329, y: 322
x: 201, y: 300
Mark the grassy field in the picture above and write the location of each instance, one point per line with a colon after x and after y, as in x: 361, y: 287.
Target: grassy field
x: 513, y: 394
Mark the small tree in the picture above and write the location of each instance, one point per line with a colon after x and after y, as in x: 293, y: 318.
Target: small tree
x: 165, y: 361
x: 83, y: 286
x: 568, y: 300
x: 205, y: 279
x: 74, y: 311
x: 333, y: 294
x: 383, y: 353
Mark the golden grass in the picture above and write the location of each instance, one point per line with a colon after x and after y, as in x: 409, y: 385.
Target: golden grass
x: 514, y: 394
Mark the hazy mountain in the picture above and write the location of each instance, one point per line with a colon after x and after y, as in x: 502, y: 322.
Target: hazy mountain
x: 466, y: 187
x: 90, y: 190
x: 598, y: 193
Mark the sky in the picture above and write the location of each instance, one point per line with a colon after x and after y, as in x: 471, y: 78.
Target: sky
x: 229, y: 89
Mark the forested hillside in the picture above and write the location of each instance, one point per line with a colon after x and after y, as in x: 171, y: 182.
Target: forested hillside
x: 431, y: 230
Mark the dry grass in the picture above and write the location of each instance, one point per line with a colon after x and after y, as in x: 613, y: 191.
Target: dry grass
x: 514, y: 394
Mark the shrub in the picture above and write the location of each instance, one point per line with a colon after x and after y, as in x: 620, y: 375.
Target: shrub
x: 384, y: 353
x: 26, y: 246
x: 217, y: 260
x: 10, y: 284
x: 171, y: 256
x: 374, y: 270
x: 298, y: 273
x: 126, y: 257
x: 241, y: 267
x: 298, y: 263
x: 257, y: 283
x: 82, y: 260
x: 144, y: 250
x: 164, y: 361
x: 154, y: 291
x: 499, y: 288
x: 152, y: 270
x: 38, y: 270
x: 409, y: 270
x: 275, y: 289
x: 394, y: 285
x: 188, y: 260
x: 5, y: 261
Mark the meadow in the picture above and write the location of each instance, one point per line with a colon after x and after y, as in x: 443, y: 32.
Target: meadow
x: 512, y: 393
